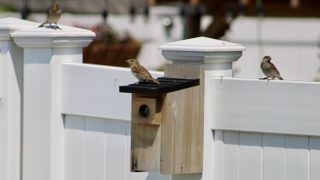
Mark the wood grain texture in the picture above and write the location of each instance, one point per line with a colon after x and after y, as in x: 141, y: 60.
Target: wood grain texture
x: 146, y: 133
x: 182, y: 124
x: 154, y: 116
x: 192, y: 71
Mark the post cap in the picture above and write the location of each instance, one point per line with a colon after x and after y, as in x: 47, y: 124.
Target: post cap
x: 11, y: 24
x: 45, y: 37
x: 202, y: 49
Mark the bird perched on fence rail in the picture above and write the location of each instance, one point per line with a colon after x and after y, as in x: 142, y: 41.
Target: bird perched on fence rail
x: 53, y: 17
x: 141, y: 73
x: 269, y: 69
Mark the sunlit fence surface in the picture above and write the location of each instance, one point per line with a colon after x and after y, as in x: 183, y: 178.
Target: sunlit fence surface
x: 61, y: 119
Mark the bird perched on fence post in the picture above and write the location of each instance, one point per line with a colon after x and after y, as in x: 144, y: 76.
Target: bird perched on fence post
x: 141, y: 73
x: 269, y: 69
x: 53, y: 17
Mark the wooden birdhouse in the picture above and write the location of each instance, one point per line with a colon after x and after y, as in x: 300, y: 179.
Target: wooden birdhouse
x: 168, y: 119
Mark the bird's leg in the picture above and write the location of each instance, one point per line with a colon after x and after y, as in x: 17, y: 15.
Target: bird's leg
x: 264, y: 78
x: 54, y: 26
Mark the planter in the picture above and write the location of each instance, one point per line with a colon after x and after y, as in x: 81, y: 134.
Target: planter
x: 111, y: 54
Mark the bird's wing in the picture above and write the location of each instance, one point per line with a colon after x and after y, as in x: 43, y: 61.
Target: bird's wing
x: 135, y: 69
x: 145, y: 73
x: 274, y: 68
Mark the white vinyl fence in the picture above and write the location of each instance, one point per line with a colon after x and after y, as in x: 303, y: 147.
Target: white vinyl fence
x: 265, y: 130
x: 74, y: 122
x: 61, y: 119
x: 11, y: 87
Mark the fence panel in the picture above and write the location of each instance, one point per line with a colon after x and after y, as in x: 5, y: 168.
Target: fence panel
x: 97, y: 148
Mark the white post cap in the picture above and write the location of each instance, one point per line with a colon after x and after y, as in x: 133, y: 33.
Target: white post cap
x: 10, y: 24
x: 201, y: 50
x: 46, y: 38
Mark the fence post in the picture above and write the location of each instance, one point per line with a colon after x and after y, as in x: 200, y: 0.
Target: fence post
x: 43, y: 127
x: 10, y: 98
x: 215, y: 58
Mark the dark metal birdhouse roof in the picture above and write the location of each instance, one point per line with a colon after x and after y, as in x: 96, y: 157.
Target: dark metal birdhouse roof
x: 166, y: 85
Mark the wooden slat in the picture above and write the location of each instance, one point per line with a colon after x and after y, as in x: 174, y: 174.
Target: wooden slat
x: 183, y: 71
x: 145, y: 135
x: 182, y: 124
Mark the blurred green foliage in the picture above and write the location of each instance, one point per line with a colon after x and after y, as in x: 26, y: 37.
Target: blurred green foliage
x: 7, y: 9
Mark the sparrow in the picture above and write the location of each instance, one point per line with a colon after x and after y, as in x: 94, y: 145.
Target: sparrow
x: 141, y: 73
x: 53, y: 17
x: 269, y: 69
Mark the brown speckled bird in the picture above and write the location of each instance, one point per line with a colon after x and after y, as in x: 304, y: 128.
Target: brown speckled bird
x: 141, y: 73
x: 53, y: 17
x: 269, y: 69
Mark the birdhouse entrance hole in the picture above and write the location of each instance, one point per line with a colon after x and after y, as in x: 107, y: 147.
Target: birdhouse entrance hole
x: 144, y: 110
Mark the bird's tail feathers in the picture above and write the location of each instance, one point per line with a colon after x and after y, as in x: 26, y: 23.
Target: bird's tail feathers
x: 155, y: 81
x: 280, y: 78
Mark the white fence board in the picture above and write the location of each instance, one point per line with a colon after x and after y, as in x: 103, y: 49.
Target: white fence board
x: 3, y: 142
x: 231, y: 155
x: 10, y: 110
x: 255, y: 156
x: 273, y: 157
x: 74, y: 148
x: 116, y: 140
x: 314, y: 158
x: 265, y: 106
x: 92, y: 90
x: 97, y: 148
x: 297, y: 158
x: 218, y: 156
x: 250, y: 156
